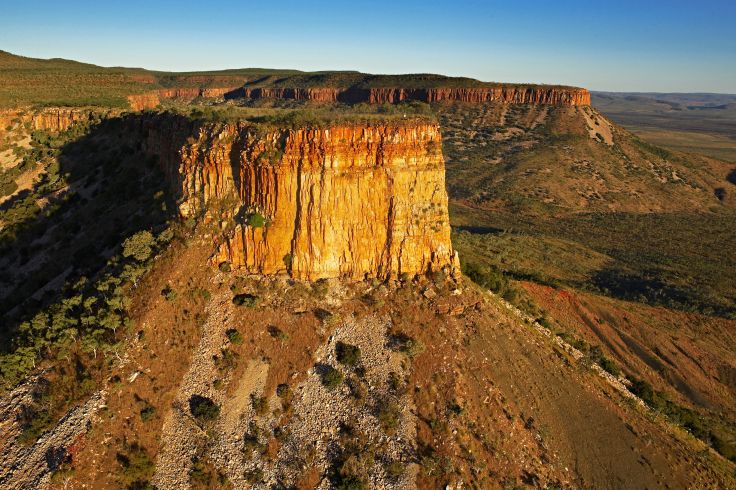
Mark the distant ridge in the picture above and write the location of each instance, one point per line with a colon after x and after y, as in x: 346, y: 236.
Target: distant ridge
x: 38, y: 82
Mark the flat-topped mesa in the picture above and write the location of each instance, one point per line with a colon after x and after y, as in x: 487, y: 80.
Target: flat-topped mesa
x: 346, y: 201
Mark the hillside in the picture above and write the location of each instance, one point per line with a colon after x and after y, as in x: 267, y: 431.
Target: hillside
x: 260, y: 282
x: 696, y: 123
x: 591, y: 204
x: 613, y: 243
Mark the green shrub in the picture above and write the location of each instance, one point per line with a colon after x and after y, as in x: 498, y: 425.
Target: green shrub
x: 347, y: 354
x: 277, y: 333
x: 409, y: 346
x: 137, y: 466
x: 251, y: 440
x: 596, y: 355
x: 332, y: 378
x: 200, y: 293
x: 350, y: 482
x: 394, y: 469
x: 245, y: 299
x: 256, y: 220
x: 168, y: 293
x: 545, y: 322
x: 148, y: 412
x: 388, y: 417
x: 609, y: 366
x: 203, y: 474
x: 260, y: 404
x: 484, y: 276
x: 227, y: 360
x: 139, y: 246
x: 203, y: 409
x: 234, y: 336
x: 34, y: 422
x: 283, y: 390
x: 224, y: 267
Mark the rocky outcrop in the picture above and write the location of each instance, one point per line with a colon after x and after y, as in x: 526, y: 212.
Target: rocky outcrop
x: 151, y: 100
x: 51, y: 119
x: 141, y: 102
x: 25, y: 467
x: 345, y: 201
x: 511, y: 94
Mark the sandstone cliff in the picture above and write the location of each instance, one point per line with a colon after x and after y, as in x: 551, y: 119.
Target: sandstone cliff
x: 511, y: 94
x: 347, y: 201
x: 52, y: 119
x: 150, y: 100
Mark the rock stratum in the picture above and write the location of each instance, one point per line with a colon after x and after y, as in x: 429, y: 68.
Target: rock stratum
x: 53, y: 118
x: 348, y: 201
x: 511, y: 94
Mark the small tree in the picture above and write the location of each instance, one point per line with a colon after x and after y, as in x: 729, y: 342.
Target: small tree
x: 139, y: 246
x: 331, y: 378
x: 203, y: 409
x: 347, y: 354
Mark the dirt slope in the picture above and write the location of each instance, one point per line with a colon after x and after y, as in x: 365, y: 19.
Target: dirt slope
x: 477, y: 396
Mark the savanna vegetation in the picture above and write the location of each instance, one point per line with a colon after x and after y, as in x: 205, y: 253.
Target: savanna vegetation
x: 73, y: 248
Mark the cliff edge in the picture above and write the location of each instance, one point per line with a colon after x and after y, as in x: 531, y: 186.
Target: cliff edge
x: 349, y: 201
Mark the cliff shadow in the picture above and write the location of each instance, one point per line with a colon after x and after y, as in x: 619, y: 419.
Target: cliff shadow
x: 101, y: 186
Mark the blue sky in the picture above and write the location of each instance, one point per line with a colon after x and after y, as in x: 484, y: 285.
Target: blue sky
x: 614, y: 45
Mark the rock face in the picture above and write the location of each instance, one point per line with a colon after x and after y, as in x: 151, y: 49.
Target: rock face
x: 152, y: 99
x: 51, y: 119
x: 512, y: 94
x: 144, y: 101
x: 346, y: 201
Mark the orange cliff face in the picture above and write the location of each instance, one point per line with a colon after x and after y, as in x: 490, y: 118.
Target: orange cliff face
x: 510, y: 94
x: 151, y: 100
x: 52, y: 119
x: 347, y: 201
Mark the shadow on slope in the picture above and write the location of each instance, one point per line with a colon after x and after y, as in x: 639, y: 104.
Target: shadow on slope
x: 70, y: 245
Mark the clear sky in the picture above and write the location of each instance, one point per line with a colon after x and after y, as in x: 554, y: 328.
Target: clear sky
x: 621, y: 45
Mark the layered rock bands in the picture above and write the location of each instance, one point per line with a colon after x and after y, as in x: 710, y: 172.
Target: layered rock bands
x: 346, y: 201
x: 512, y: 94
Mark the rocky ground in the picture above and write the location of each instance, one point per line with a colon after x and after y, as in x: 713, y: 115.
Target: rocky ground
x: 30, y: 466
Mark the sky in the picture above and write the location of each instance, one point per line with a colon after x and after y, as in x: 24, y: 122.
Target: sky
x: 616, y: 45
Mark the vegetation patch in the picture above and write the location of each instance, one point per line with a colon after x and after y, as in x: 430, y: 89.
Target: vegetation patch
x: 203, y: 474
x: 137, y: 467
x: 331, y: 378
x: 256, y: 220
x: 203, y: 409
x: 707, y: 429
x: 234, y: 336
x: 247, y: 300
x: 347, y: 354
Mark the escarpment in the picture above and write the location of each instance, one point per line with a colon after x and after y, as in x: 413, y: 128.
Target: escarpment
x: 510, y: 94
x: 149, y: 100
x: 345, y: 201
x: 507, y: 94
x: 52, y: 119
